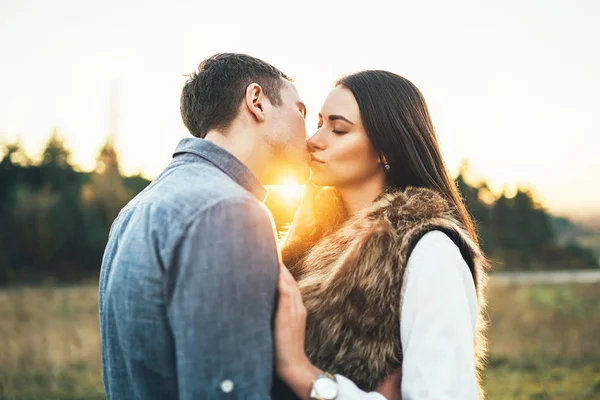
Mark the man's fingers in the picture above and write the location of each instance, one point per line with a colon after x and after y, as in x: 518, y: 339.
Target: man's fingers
x: 287, y: 284
x: 289, y: 291
x: 286, y: 274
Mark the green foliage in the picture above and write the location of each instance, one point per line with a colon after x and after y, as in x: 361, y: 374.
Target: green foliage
x: 518, y: 234
x: 54, y: 220
x: 56, y: 155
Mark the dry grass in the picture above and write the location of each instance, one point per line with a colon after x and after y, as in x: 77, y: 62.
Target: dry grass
x: 551, y: 321
x: 545, y: 343
x: 50, y: 344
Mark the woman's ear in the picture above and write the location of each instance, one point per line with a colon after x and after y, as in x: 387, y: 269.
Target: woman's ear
x: 255, y: 101
x: 383, y: 161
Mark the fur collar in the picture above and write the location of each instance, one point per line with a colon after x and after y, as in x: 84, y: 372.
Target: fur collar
x: 350, y: 272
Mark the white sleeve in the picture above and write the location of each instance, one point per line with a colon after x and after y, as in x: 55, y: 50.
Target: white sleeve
x: 437, y: 326
x: 437, y: 323
x: 347, y: 390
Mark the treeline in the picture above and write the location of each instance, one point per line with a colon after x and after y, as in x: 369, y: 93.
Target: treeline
x: 54, y: 219
x: 517, y: 233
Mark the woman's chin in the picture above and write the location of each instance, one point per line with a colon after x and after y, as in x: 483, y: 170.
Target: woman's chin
x: 323, y: 182
x: 317, y: 178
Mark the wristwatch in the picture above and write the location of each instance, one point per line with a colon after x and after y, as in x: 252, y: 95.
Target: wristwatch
x: 325, y: 387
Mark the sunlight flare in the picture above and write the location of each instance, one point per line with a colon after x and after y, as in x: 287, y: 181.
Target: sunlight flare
x: 290, y: 190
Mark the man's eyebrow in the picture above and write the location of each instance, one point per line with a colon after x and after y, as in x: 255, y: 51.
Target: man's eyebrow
x: 335, y: 117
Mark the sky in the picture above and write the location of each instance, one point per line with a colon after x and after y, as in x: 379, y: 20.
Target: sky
x: 513, y: 87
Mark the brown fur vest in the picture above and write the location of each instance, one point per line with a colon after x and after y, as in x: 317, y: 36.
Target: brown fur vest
x: 350, y: 272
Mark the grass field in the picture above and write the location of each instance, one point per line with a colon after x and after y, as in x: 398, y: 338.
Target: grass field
x: 544, y: 340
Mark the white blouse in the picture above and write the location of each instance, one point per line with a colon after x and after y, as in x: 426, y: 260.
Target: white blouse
x: 437, y: 326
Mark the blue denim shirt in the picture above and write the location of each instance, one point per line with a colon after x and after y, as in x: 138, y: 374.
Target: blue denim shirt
x: 188, y: 284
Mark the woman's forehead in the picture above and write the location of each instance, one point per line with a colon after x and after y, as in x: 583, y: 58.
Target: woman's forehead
x: 340, y: 101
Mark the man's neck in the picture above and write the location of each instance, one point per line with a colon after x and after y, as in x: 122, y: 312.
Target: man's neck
x: 241, y: 145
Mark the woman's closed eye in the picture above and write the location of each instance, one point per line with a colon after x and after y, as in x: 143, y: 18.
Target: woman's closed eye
x: 334, y: 130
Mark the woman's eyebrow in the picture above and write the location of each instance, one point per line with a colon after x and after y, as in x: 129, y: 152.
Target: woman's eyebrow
x: 335, y: 117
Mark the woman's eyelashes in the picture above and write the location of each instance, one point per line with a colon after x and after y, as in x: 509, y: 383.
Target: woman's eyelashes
x: 334, y: 130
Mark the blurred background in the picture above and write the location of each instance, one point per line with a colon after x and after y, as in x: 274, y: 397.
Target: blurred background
x: 89, y: 115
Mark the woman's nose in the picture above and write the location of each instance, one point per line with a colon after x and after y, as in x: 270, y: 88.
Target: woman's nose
x: 316, y: 142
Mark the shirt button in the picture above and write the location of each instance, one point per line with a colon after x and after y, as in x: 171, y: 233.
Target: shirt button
x: 227, y: 386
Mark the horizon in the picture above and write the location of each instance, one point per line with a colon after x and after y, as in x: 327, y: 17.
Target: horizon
x: 511, y: 88
x: 592, y: 216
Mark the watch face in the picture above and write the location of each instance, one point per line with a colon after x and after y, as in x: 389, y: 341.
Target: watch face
x: 326, y: 388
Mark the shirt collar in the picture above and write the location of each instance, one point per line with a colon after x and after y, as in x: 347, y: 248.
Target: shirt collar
x: 225, y: 161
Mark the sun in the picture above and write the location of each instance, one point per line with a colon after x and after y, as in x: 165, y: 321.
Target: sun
x: 290, y: 190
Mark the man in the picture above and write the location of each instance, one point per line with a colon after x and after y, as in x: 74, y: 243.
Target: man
x: 189, y: 274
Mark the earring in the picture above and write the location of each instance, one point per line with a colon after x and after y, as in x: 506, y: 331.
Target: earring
x: 387, y: 167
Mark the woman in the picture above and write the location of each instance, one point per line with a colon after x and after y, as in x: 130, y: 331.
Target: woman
x: 390, y: 276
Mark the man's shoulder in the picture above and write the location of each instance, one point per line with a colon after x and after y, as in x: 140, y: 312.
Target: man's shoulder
x: 187, y: 191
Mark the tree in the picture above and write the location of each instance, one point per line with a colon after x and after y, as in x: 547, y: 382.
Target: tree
x: 55, y: 152
x: 107, y: 190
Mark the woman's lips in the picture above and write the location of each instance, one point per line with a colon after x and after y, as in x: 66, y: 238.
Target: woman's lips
x: 314, y: 159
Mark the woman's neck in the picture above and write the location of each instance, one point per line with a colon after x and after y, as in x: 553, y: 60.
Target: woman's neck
x: 355, y: 198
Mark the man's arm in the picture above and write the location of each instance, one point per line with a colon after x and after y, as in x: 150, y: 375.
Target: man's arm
x: 223, y: 287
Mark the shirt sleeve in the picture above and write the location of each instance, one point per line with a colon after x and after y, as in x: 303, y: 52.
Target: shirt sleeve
x: 437, y: 324
x: 222, y: 291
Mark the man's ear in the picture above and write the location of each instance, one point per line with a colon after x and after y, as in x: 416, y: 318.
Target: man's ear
x: 256, y: 101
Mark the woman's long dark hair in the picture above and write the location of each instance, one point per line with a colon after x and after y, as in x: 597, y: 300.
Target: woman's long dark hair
x: 398, y: 124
